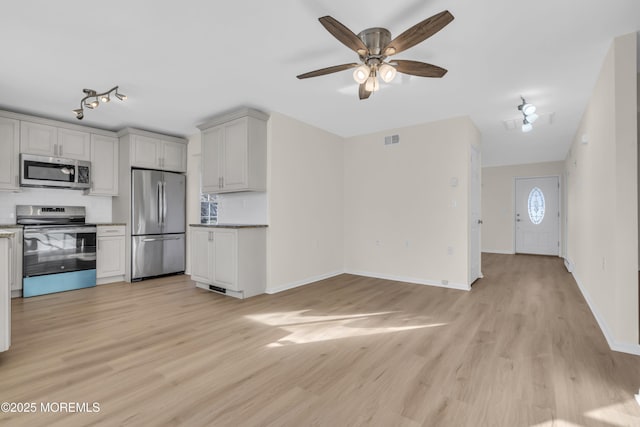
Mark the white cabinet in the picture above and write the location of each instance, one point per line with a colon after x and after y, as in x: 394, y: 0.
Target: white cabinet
x: 104, y: 166
x: 15, y: 263
x: 110, y: 261
x: 231, y: 261
x: 156, y: 153
x: 10, y: 158
x: 5, y: 296
x: 46, y: 140
x: 73, y: 144
x: 234, y: 153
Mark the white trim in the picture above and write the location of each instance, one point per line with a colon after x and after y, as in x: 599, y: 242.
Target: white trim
x: 498, y: 251
x: 298, y: 283
x: 410, y: 280
x: 569, y: 266
x: 613, y: 345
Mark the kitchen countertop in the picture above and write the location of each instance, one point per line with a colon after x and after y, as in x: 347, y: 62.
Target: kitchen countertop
x: 5, y: 235
x: 109, y: 224
x: 11, y: 226
x: 229, y: 225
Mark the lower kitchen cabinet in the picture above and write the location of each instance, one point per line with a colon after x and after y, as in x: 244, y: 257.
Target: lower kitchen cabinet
x: 15, y: 261
x: 110, y: 254
x: 5, y: 297
x: 229, y: 260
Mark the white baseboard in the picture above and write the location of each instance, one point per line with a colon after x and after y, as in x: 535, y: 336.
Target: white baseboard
x: 16, y: 293
x: 302, y: 282
x: 448, y: 285
x: 569, y: 266
x: 498, y: 251
x: 629, y: 348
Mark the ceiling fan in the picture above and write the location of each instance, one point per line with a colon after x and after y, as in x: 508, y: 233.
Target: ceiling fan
x: 374, y: 46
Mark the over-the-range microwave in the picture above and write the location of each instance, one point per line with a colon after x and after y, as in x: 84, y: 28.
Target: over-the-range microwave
x: 43, y: 171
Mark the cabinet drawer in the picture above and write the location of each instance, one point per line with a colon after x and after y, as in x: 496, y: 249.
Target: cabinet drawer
x: 110, y: 230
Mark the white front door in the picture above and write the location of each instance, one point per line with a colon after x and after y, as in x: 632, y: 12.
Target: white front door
x: 538, y: 215
x: 475, y: 211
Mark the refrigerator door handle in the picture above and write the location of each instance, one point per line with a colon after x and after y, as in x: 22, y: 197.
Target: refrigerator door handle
x: 160, y: 239
x: 158, y: 204
x: 164, y: 202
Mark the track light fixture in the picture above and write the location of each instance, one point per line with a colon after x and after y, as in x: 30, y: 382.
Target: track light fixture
x: 92, y: 100
x: 529, y: 113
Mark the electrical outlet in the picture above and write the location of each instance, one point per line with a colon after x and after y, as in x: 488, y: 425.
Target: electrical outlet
x: 377, y: 242
x: 406, y: 244
x: 449, y: 250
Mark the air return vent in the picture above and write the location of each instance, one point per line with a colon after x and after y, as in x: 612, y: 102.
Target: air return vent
x: 392, y: 139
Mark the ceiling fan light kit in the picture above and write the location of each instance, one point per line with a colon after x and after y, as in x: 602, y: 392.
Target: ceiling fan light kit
x: 92, y: 100
x: 529, y: 113
x: 375, y: 45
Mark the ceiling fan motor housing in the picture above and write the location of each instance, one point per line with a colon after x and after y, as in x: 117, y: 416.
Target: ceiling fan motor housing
x: 376, y: 39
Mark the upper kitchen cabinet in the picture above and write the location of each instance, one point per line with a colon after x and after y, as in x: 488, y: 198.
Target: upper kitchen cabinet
x: 234, y: 152
x: 9, y: 161
x: 158, y: 152
x: 46, y: 140
x: 104, y: 166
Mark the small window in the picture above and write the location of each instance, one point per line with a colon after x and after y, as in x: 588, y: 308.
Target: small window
x: 536, y: 205
x: 208, y: 209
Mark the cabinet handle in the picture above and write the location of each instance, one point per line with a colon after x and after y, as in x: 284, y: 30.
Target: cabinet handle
x: 223, y: 182
x: 219, y: 182
x: 59, y: 150
x: 211, y: 236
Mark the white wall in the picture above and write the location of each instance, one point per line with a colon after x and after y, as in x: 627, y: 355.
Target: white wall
x: 305, y: 198
x: 498, y: 202
x: 98, y: 207
x: 403, y: 219
x: 602, y: 198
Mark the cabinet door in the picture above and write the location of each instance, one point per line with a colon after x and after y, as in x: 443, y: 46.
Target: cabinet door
x: 201, y: 263
x: 225, y: 259
x: 235, y: 155
x: 145, y: 152
x: 212, y: 147
x: 73, y: 144
x: 10, y: 158
x: 174, y: 156
x: 104, y: 165
x: 110, y: 257
x: 38, y: 139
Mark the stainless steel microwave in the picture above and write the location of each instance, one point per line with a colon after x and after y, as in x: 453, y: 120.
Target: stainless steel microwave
x: 43, y: 171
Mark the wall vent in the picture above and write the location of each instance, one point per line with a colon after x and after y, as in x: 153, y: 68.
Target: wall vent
x: 392, y: 139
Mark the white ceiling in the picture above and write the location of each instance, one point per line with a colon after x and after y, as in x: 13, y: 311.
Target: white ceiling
x: 182, y: 62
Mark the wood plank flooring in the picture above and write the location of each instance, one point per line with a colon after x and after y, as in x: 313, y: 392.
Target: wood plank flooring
x: 520, y: 349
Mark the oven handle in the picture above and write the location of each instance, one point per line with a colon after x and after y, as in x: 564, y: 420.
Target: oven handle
x: 83, y: 230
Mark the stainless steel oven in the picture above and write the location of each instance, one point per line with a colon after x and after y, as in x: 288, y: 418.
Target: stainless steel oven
x: 59, y: 249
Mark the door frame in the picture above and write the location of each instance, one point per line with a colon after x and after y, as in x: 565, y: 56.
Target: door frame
x: 561, y: 202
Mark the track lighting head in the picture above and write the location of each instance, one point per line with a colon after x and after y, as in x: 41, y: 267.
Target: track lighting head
x: 97, y: 98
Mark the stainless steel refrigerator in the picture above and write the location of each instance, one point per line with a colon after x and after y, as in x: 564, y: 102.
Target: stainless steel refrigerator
x: 157, y: 223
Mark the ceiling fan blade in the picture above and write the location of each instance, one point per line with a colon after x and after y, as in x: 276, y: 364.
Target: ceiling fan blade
x: 417, y: 68
x: 327, y: 70
x: 363, y: 93
x: 418, y: 33
x: 344, y: 35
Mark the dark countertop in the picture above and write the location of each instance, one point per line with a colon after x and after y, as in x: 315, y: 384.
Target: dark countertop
x: 229, y: 225
x: 109, y: 224
x: 5, y: 235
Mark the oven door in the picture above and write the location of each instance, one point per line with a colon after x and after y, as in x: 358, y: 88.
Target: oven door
x: 59, y: 249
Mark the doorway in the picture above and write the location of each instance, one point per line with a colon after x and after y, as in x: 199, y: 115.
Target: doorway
x: 537, y: 222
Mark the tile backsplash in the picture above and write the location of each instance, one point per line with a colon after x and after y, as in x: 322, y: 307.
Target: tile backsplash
x: 98, y: 207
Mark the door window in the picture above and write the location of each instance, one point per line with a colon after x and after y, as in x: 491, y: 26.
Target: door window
x: 536, y: 206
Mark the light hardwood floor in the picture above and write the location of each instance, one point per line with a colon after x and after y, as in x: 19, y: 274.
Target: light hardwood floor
x: 520, y: 349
